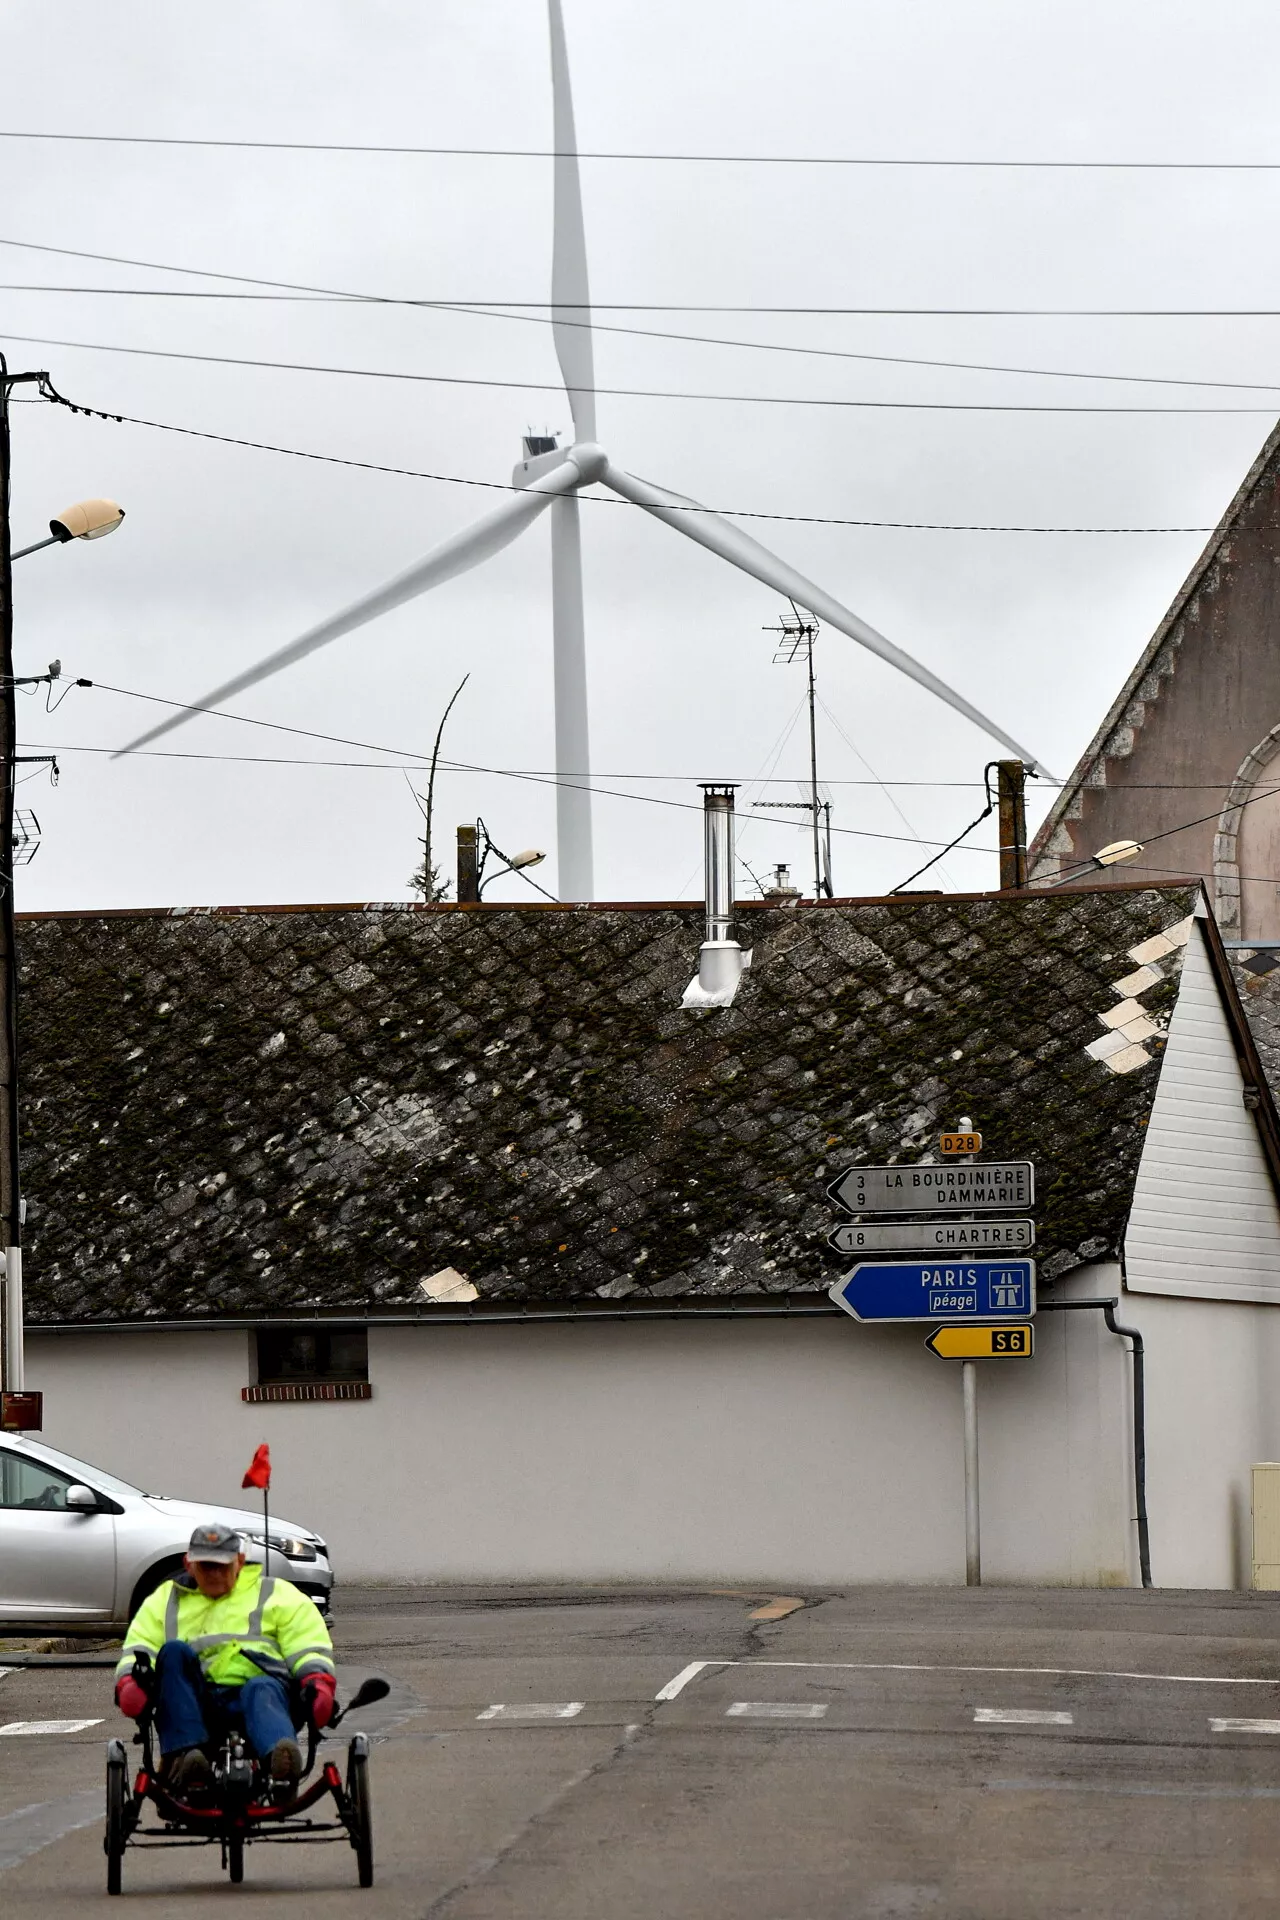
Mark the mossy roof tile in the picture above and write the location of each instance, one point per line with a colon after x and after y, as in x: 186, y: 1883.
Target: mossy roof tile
x: 335, y: 1104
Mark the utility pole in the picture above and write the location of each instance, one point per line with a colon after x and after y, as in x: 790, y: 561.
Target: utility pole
x: 10, y: 1188
x: 1012, y: 783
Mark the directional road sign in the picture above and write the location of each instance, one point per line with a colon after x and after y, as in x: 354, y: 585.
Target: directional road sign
x: 983, y: 1343
x: 992, y: 1186
x: 935, y: 1236
x: 964, y: 1290
x: 959, y: 1143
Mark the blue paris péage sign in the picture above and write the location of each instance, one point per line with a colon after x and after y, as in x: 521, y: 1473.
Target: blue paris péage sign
x: 938, y: 1290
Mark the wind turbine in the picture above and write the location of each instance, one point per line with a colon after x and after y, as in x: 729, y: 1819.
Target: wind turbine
x: 552, y: 479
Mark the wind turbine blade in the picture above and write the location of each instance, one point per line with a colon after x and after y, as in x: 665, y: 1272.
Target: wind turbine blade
x: 453, y: 556
x: 570, y: 294
x: 722, y: 538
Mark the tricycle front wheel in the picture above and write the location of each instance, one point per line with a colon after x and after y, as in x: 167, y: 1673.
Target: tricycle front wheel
x: 113, y: 1841
x: 360, y: 1817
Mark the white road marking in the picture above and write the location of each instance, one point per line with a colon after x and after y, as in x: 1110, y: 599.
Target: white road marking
x: 1065, y: 1673
x: 773, y: 1710
x: 1020, y: 1717
x: 48, y: 1726
x: 682, y: 1679
x: 4, y: 1670
x: 1244, y: 1726
x: 533, y: 1710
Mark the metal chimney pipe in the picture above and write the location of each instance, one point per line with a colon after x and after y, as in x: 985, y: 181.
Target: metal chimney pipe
x: 717, y: 816
x: 720, y: 959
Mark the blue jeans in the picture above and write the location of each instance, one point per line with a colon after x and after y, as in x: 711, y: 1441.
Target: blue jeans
x: 186, y: 1702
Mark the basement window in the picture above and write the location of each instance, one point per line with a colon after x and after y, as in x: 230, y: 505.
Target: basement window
x: 311, y: 1363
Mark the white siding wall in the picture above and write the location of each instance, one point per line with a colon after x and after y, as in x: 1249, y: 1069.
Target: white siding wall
x: 1205, y: 1218
x: 768, y: 1452
x: 1212, y: 1410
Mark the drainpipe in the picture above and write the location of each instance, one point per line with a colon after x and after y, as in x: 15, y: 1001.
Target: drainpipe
x: 1108, y: 1311
x: 721, y: 961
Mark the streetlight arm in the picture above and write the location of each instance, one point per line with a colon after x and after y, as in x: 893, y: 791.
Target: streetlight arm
x: 53, y: 540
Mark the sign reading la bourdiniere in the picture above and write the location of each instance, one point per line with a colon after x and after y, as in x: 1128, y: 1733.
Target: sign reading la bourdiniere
x: 994, y: 1187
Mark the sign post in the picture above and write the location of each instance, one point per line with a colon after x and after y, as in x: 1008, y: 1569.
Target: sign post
x: 970, y: 1301
x: 972, y: 1524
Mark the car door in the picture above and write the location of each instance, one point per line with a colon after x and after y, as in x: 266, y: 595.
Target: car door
x: 56, y: 1566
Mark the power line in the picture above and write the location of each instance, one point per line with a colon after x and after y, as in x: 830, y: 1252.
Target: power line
x: 453, y: 766
x: 598, y: 500
x: 474, y: 311
x: 983, y: 164
x: 604, y: 306
x: 616, y: 393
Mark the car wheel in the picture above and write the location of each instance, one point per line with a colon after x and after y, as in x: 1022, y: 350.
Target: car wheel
x: 151, y: 1579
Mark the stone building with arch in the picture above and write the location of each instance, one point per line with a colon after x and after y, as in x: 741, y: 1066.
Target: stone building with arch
x: 1187, y: 761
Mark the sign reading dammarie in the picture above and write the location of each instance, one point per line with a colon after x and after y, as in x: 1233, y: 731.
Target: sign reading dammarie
x: 993, y: 1187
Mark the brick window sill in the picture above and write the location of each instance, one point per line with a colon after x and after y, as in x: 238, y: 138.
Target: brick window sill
x: 296, y: 1390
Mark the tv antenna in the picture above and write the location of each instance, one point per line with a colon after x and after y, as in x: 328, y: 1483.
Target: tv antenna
x: 798, y: 633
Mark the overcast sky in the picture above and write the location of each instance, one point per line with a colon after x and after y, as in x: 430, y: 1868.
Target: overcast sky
x: 228, y: 553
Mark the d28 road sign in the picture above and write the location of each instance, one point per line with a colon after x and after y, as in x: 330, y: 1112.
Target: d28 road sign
x: 944, y: 1235
x: 983, y: 1343
x: 960, y: 1290
x: 994, y: 1186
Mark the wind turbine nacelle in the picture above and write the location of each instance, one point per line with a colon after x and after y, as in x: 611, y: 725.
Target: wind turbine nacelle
x: 541, y: 454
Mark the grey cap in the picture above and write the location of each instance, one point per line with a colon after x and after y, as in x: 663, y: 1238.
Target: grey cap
x: 215, y: 1542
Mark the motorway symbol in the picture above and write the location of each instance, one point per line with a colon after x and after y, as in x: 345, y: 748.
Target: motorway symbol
x: 937, y: 1290
x: 959, y: 1143
x: 935, y: 1236
x: 995, y: 1186
x: 983, y: 1343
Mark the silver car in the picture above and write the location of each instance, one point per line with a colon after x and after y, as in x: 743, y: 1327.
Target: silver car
x: 81, y: 1550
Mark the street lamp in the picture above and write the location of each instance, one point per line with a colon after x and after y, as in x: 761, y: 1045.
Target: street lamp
x: 1112, y: 855
x: 87, y: 520
x: 531, y: 857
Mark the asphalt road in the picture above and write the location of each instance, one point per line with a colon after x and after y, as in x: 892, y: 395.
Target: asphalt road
x: 852, y: 1758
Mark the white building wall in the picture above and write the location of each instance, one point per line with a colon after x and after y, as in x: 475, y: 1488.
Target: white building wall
x: 770, y: 1452
x: 1205, y: 1220
x: 1212, y: 1410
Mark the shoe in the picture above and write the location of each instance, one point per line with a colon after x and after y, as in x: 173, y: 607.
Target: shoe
x: 285, y: 1766
x: 187, y: 1772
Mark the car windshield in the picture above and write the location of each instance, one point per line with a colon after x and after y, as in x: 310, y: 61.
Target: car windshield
x: 81, y: 1470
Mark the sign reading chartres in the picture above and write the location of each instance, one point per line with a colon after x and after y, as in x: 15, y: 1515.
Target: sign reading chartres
x: 995, y: 1186
x: 943, y: 1235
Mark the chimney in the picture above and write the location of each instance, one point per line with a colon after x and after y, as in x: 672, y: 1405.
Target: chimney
x: 468, y: 870
x: 720, y: 958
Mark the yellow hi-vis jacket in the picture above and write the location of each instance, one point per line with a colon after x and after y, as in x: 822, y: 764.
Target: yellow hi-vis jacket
x: 269, y: 1618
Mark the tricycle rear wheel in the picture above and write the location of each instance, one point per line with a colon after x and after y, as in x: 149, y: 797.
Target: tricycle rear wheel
x: 360, y: 1821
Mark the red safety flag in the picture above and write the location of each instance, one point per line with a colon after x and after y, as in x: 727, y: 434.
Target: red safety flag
x: 259, y: 1474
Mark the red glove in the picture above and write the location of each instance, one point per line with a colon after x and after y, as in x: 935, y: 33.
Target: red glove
x: 318, y: 1690
x: 130, y: 1697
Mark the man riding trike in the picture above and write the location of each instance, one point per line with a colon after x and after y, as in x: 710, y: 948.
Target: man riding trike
x: 225, y: 1666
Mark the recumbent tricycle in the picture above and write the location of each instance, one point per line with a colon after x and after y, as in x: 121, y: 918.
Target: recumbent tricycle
x: 241, y: 1807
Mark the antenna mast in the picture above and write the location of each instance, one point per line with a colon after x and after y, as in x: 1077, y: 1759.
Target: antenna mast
x: 799, y: 631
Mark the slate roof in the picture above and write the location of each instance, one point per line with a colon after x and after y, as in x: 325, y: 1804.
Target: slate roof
x: 291, y: 1111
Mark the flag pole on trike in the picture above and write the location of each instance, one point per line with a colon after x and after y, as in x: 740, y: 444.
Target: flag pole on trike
x: 259, y: 1475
